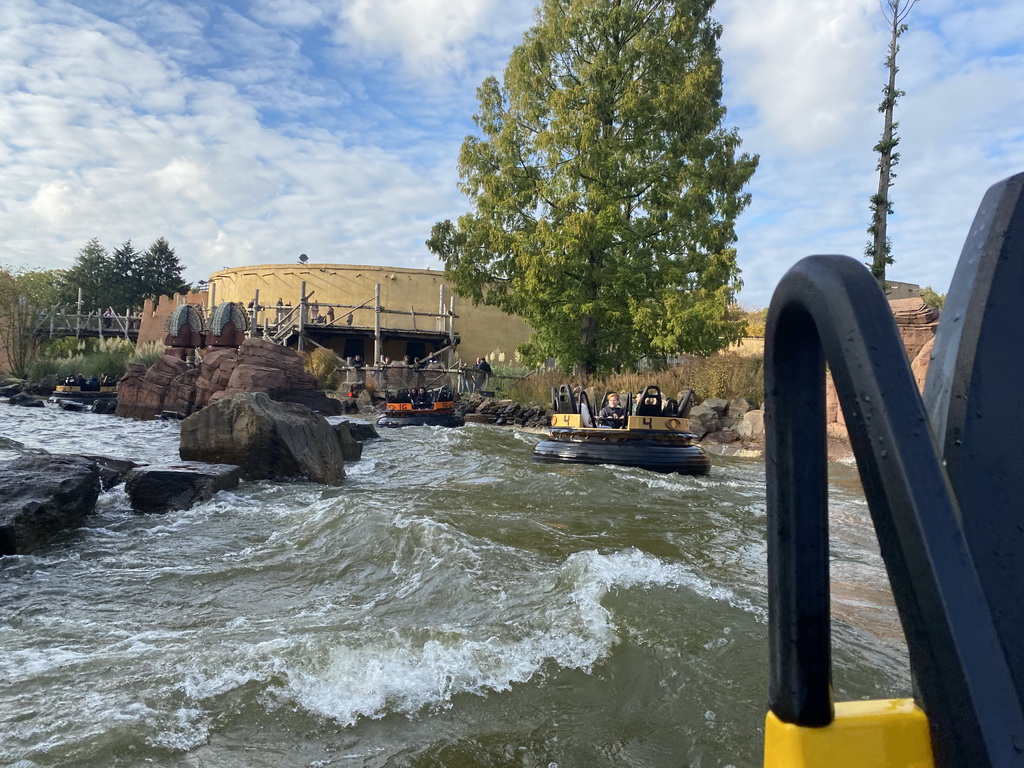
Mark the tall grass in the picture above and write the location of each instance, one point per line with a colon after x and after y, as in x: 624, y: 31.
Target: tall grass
x: 88, y: 357
x: 725, y: 375
x: 69, y: 356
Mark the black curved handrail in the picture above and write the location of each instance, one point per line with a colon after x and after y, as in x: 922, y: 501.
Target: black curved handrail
x: 973, y: 395
x: 830, y: 308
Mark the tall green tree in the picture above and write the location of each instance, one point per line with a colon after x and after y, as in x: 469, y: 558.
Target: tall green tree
x: 91, y: 273
x: 124, y: 278
x: 24, y: 296
x: 879, y: 249
x: 605, y: 186
x: 160, y: 271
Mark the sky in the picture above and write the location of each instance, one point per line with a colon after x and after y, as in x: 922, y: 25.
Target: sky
x: 252, y: 131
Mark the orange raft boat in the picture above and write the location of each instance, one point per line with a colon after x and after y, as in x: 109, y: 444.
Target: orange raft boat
x: 436, y: 409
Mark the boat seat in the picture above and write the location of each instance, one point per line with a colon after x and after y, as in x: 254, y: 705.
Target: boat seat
x: 649, y: 402
x: 563, y: 400
x: 685, y: 404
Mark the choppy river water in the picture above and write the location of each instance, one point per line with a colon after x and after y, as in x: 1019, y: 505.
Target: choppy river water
x: 453, y: 604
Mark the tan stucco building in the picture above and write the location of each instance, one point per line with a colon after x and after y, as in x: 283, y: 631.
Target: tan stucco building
x: 354, y: 308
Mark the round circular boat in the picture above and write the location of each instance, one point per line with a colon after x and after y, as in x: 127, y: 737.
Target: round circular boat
x: 654, y: 437
x: 644, y: 453
x: 416, y: 419
x: 428, y: 408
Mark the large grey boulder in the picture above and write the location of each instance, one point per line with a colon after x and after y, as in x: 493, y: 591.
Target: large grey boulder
x: 24, y: 399
x: 359, y: 429
x: 112, y: 471
x: 752, y: 426
x: 161, y: 488
x: 351, y: 448
x: 704, y: 418
x: 40, y: 496
x: 267, y: 439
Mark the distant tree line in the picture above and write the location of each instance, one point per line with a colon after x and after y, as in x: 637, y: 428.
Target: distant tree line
x: 123, y: 278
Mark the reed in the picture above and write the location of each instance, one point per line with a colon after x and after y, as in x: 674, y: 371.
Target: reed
x: 87, y: 357
x: 725, y: 375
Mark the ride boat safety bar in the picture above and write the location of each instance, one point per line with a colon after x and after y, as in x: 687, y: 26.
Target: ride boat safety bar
x: 949, y: 514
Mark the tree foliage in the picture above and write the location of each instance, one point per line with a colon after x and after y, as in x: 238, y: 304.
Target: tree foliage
x: 933, y: 299
x: 879, y: 249
x: 23, y: 296
x: 124, y: 278
x: 605, y: 186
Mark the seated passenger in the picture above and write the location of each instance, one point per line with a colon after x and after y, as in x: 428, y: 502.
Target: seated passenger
x: 423, y: 399
x: 612, y: 415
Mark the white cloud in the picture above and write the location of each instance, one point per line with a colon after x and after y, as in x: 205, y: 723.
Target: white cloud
x: 803, y: 65
x: 428, y: 35
x: 332, y: 127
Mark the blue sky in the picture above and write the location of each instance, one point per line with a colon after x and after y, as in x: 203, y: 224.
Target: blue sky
x: 250, y: 132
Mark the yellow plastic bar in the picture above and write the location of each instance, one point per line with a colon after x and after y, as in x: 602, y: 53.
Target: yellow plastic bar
x: 889, y: 733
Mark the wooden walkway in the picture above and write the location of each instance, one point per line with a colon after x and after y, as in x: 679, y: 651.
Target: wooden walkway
x: 55, y: 324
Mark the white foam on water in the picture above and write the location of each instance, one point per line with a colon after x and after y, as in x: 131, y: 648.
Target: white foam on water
x: 191, y: 729
x: 632, y: 568
x: 405, y: 671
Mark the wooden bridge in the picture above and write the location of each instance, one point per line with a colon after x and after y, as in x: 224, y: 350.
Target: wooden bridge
x: 55, y: 323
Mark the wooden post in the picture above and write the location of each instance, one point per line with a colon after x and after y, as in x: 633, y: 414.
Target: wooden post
x: 440, y: 309
x: 78, y: 315
x: 211, y: 304
x: 451, y: 331
x: 377, y: 345
x: 302, y: 317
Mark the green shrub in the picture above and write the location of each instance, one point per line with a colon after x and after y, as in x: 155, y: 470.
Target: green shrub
x: 322, y: 364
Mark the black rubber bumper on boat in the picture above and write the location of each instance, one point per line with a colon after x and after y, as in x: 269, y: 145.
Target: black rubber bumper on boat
x: 684, y: 459
x: 432, y: 420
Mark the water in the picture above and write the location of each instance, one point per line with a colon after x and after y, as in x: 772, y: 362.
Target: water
x: 453, y: 604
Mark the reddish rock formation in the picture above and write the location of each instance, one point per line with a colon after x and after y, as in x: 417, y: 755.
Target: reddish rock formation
x: 181, y: 393
x: 916, y: 323
x: 258, y: 366
x: 214, y: 374
x: 267, y: 367
x: 144, y: 398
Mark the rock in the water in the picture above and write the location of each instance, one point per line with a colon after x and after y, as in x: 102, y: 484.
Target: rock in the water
x: 266, y: 438
x: 44, y: 387
x: 112, y: 471
x: 106, y: 405
x: 359, y: 429
x: 40, y: 496
x: 26, y: 400
x: 351, y: 448
x: 158, y: 489
x: 703, y: 419
x: 751, y: 427
x: 72, y: 405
